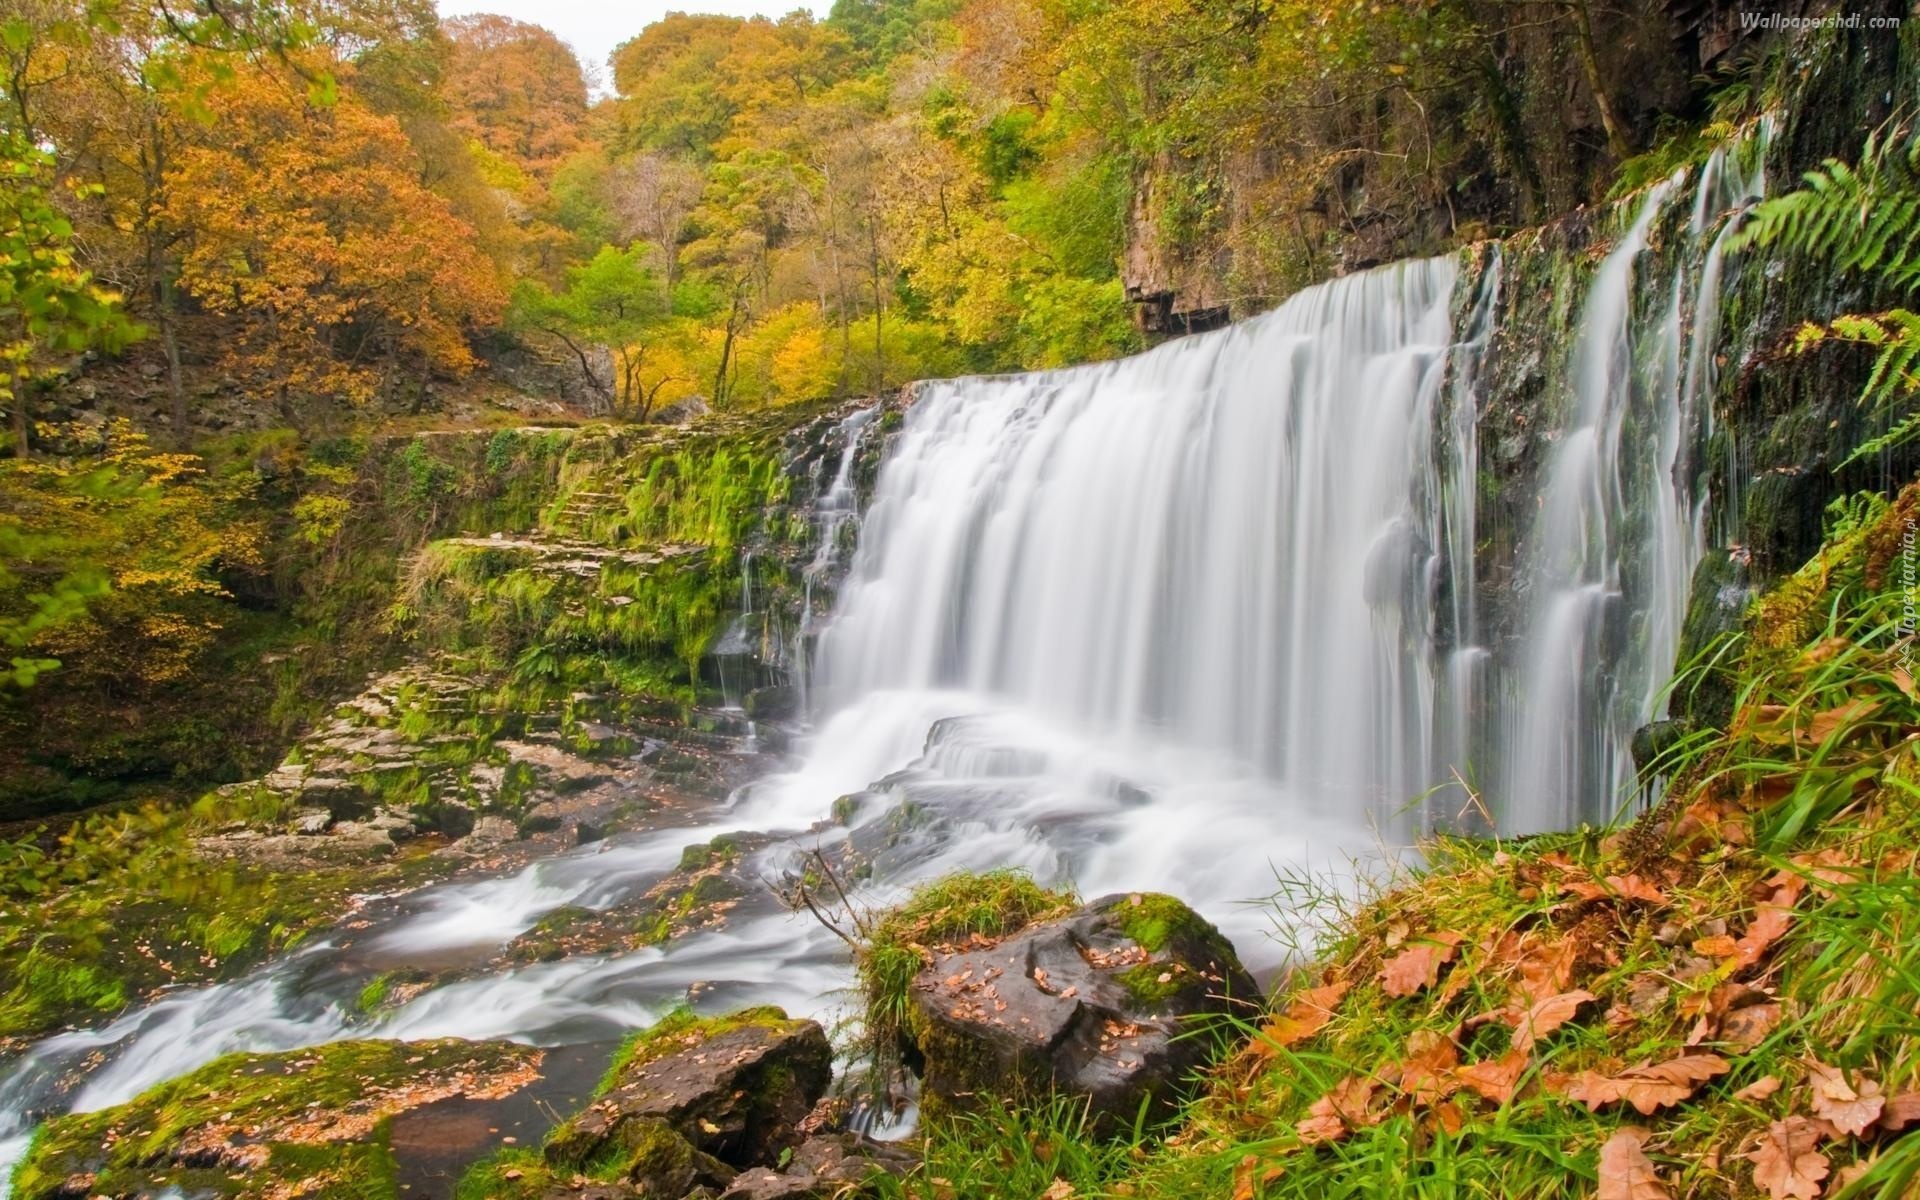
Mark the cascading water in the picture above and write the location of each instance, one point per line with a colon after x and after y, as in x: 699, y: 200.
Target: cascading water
x: 1622, y: 517
x: 1202, y: 620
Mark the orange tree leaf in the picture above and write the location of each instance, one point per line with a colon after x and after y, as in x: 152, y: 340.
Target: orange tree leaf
x: 1769, y: 922
x: 1547, y: 1015
x: 1626, y: 1173
x: 1745, y: 1028
x: 1418, y: 966
x: 1343, y: 1108
x: 1759, y: 1089
x: 1852, y: 1105
x: 1788, y: 1162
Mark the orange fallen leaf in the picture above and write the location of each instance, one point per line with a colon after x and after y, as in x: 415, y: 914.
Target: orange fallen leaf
x: 1901, y: 1111
x: 1343, y: 1108
x: 1851, y: 1104
x: 1626, y: 1173
x: 1306, y: 1016
x: 1418, y: 966
x: 1495, y: 1078
x: 1647, y: 1088
x: 1788, y: 1162
x: 1427, y: 1073
x: 1547, y: 1015
x: 1825, y: 724
x: 1759, y: 1089
x: 1770, y: 920
x: 1721, y: 946
x: 1745, y: 1028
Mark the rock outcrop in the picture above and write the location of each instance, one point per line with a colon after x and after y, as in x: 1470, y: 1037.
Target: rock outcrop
x: 1108, y: 1002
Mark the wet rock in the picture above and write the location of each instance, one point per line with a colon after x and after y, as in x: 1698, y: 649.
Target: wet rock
x: 311, y: 820
x: 733, y: 1087
x: 541, y: 818
x: 489, y: 834
x: 824, y: 1166
x: 1092, y: 1004
x: 773, y: 703
x: 279, y: 1122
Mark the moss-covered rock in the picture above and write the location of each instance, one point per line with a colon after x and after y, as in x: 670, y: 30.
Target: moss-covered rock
x: 1104, y: 1003
x: 259, y: 1125
x: 732, y: 1089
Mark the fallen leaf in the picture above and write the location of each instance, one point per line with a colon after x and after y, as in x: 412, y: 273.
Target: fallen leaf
x: 1850, y: 1104
x: 1547, y: 1015
x: 1770, y: 920
x: 1343, y: 1108
x: 1825, y: 724
x: 1495, y: 1078
x: 1059, y: 1189
x: 1449, y: 1117
x: 1306, y: 1016
x: 1788, y: 1162
x: 1745, y: 1028
x: 1626, y: 1173
x: 1901, y: 1111
x: 1759, y: 1089
x: 1647, y: 1088
x: 1418, y: 966
x: 1548, y: 970
x: 1717, y: 947
x: 1427, y: 1073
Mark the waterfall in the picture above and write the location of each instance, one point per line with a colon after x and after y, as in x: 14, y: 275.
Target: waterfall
x: 1214, y: 620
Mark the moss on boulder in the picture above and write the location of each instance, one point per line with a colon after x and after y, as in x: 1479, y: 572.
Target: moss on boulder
x: 254, y: 1125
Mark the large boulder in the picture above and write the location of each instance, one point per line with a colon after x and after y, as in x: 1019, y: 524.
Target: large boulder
x: 1105, y: 1003
x: 730, y: 1090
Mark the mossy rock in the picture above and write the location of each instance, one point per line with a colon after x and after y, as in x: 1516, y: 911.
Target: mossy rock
x: 1110, y: 1002
x: 732, y: 1087
x: 254, y: 1125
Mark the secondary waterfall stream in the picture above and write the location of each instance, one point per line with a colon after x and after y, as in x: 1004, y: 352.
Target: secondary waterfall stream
x: 1200, y: 620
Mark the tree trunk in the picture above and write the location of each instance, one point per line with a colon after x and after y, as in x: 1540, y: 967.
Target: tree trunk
x: 21, y: 426
x: 1619, y: 144
x: 176, y: 386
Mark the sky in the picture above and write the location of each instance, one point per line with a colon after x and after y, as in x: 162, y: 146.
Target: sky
x: 594, y: 27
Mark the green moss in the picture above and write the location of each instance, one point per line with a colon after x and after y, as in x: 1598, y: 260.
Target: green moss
x: 1153, y: 919
x: 949, y: 910
x: 680, y: 1028
x: 700, y: 856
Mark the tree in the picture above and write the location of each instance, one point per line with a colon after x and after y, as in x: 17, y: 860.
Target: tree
x: 516, y: 89
x: 311, y: 233
x: 615, y: 302
x: 48, y: 305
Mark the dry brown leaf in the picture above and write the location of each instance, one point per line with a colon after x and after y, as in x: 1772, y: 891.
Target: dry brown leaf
x: 1851, y: 1104
x: 1825, y: 724
x: 1788, y: 1162
x: 1745, y: 1028
x: 1546, y: 1016
x: 1901, y: 1111
x: 1717, y: 947
x: 1343, y: 1108
x: 1647, y: 1088
x: 1250, y: 1174
x: 1496, y: 1078
x: 1547, y: 970
x: 1769, y: 922
x: 1759, y: 1089
x: 1306, y: 1016
x: 1059, y: 1189
x: 1626, y: 1173
x: 1418, y: 966
x: 1427, y: 1073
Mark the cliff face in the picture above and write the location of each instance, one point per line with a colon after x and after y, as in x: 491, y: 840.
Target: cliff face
x: 1533, y: 119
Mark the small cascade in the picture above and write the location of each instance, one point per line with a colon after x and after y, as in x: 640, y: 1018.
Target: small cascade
x: 836, y: 506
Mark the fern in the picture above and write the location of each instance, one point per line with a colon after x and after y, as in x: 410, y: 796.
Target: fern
x: 1865, y: 223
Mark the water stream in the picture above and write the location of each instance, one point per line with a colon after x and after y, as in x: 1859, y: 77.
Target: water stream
x: 1200, y: 620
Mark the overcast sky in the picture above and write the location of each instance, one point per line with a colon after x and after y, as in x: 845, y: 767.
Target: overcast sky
x: 594, y: 27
